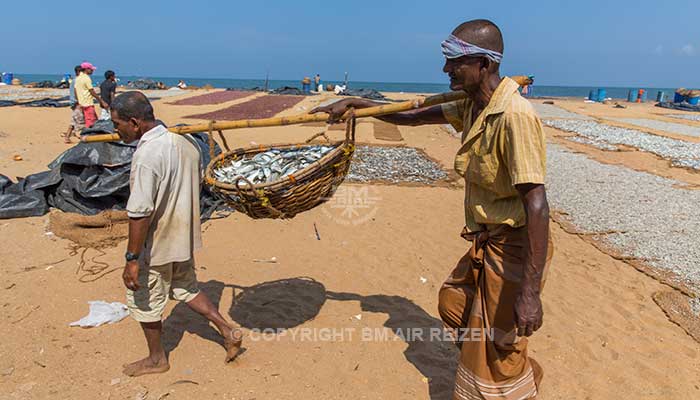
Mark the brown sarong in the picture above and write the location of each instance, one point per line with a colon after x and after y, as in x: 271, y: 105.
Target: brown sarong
x: 477, y: 301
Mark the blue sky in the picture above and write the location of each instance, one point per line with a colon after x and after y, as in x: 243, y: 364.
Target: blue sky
x: 614, y: 43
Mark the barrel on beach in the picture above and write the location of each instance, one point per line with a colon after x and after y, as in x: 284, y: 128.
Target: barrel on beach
x: 694, y: 97
x: 641, y: 95
x: 632, y: 96
x: 7, y: 78
x: 306, y: 85
x: 593, y: 95
x: 660, y: 96
x: 678, y: 97
x: 601, y: 95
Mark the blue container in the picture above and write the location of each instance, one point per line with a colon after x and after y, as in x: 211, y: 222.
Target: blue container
x: 678, y: 98
x: 601, y: 95
x: 7, y: 78
x: 632, y: 96
x: 644, y: 97
x: 305, y: 87
x: 593, y: 95
x: 660, y: 96
x: 694, y: 100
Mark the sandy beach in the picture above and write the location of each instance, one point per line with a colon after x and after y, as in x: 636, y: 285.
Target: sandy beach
x: 604, y: 335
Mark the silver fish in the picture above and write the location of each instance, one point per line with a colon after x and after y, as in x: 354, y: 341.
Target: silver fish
x: 271, y: 165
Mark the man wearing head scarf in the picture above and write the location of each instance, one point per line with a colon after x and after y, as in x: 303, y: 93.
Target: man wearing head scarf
x: 491, y: 300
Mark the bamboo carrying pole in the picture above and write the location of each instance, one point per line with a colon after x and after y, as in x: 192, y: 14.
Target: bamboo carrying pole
x: 298, y: 119
x: 304, y: 118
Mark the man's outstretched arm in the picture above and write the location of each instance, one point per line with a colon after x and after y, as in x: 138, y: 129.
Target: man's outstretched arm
x: 421, y: 116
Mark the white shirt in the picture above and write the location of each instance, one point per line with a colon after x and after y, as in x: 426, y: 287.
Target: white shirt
x: 165, y: 183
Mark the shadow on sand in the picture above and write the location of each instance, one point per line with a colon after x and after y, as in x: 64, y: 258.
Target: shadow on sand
x: 288, y: 303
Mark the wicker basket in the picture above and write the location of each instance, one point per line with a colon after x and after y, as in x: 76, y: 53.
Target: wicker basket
x: 291, y: 195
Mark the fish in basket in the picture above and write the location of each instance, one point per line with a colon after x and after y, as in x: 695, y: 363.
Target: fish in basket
x: 281, y: 181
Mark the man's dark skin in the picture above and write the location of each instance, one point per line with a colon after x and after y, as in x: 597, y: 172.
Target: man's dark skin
x: 131, y: 130
x: 113, y: 94
x: 479, y: 77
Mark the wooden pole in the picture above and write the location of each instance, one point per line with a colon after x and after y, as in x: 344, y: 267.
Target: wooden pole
x: 300, y: 118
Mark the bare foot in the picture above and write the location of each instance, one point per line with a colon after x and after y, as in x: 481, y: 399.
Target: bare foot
x: 146, y: 366
x: 232, y: 343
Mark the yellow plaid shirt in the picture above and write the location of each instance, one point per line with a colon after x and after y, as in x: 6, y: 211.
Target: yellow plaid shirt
x: 504, y: 147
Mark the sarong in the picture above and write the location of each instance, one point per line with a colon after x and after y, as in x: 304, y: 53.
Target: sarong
x: 477, y: 301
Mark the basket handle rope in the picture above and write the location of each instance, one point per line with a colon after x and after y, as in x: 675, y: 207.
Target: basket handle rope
x: 223, y: 140
x: 350, y: 127
x: 210, y: 138
x: 320, y: 134
x: 212, y: 142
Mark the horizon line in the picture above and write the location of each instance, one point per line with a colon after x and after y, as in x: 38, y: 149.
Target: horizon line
x: 361, y: 81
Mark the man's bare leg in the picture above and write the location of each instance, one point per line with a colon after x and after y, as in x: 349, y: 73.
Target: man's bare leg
x: 156, y: 362
x: 233, y: 337
x: 66, y: 136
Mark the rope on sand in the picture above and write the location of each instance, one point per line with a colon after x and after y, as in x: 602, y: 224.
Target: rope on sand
x: 95, y: 270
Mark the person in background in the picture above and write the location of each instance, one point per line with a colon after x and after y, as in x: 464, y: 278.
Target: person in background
x: 85, y: 94
x: 338, y: 89
x: 108, y: 89
x: 525, y: 87
x: 77, y: 120
x: 317, y: 83
x: 181, y: 84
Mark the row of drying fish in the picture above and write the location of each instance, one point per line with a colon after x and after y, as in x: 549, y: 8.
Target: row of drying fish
x: 271, y: 165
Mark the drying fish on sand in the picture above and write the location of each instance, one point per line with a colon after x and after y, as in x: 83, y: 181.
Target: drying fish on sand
x: 271, y: 165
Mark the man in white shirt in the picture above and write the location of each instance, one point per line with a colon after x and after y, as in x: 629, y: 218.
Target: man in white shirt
x: 164, y: 229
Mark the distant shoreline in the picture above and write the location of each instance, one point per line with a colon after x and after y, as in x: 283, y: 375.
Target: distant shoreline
x: 395, y: 87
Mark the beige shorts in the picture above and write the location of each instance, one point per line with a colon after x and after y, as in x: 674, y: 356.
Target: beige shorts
x: 176, y: 280
x: 77, y: 119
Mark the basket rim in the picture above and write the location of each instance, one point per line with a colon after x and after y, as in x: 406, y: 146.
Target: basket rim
x: 340, y: 147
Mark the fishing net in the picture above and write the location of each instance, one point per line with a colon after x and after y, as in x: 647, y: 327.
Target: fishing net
x: 103, y: 230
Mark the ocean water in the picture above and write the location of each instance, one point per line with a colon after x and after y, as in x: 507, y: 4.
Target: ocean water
x: 407, y: 87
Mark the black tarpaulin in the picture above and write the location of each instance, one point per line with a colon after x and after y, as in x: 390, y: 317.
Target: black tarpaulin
x: 87, y: 179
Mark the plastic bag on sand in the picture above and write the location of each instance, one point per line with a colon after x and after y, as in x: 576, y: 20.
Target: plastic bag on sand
x: 102, y: 312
